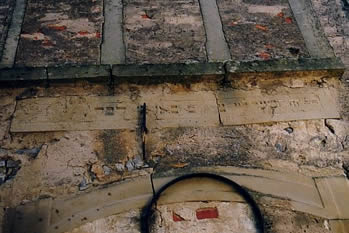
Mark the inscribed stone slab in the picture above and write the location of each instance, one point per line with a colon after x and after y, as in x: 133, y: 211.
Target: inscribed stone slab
x: 184, y: 110
x: 74, y: 113
x: 238, y: 107
x: 115, y: 112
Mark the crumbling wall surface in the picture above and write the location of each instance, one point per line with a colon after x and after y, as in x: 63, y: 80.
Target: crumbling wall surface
x: 59, y: 164
x: 127, y: 222
x: 42, y: 164
x: 334, y: 18
x: 232, y: 217
x: 160, y: 32
x: 308, y: 147
x: 60, y: 32
x: 203, y: 217
x: 63, y: 163
x: 261, y: 30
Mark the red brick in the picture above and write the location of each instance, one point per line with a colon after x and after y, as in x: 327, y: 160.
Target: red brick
x: 205, y: 213
x: 176, y: 217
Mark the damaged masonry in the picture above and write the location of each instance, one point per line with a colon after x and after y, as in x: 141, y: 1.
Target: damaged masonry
x: 174, y: 116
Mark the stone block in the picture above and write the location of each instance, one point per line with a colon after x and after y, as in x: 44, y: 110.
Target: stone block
x: 74, y: 113
x: 334, y: 192
x: 160, y: 31
x: 183, y: 110
x: 114, y: 112
x: 66, y: 214
x: 282, y: 185
x: 258, y: 31
x: 172, y: 73
x: 54, y: 34
x: 75, y: 73
x: 237, y: 107
x: 339, y: 226
x: 207, y: 213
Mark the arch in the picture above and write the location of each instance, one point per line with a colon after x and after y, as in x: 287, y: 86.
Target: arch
x: 311, y: 195
x: 148, y: 211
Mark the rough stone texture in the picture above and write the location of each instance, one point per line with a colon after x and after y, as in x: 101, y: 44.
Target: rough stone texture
x: 122, y: 223
x: 310, y: 145
x: 277, y: 220
x: 314, y: 38
x: 232, y: 217
x: 216, y: 45
x: 7, y: 107
x: 64, y: 160
x: 163, y: 32
x: 59, y: 166
x: 117, y: 146
x: 61, y: 32
x: 6, y: 8
x: 67, y: 161
x: 335, y: 21
x: 261, y: 30
x: 280, y: 220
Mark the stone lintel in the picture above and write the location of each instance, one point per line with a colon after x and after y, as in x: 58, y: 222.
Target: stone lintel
x: 285, y: 65
x: 238, y: 107
x: 114, y: 112
x: 97, y: 73
x: 18, y: 77
x: 175, y: 73
x: 74, y: 113
x: 161, y: 73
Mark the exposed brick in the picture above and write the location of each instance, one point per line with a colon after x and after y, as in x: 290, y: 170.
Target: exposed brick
x: 177, y: 218
x: 207, y: 213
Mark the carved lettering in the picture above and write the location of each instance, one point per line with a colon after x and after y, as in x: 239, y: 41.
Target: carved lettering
x: 244, y: 107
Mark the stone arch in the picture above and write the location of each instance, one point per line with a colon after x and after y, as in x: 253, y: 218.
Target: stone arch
x: 306, y: 194
x: 197, y: 187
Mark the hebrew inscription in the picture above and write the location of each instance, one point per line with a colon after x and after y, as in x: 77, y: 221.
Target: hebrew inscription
x: 195, y: 109
x: 74, y: 113
x: 185, y: 110
x: 114, y: 112
x: 238, y: 107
